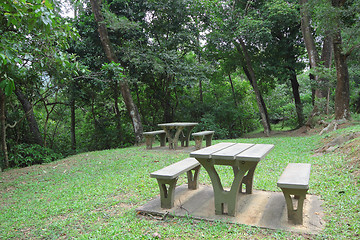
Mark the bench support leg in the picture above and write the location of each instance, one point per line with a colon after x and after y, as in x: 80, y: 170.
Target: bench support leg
x: 193, y: 182
x: 198, y: 142
x: 208, y: 139
x: 167, y: 192
x: 162, y: 139
x: 295, y: 215
x: 149, y: 139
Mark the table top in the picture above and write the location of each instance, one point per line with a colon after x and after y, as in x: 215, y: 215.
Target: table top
x: 178, y: 124
x: 234, y: 151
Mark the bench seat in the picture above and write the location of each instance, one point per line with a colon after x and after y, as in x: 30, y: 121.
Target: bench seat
x: 150, y: 136
x: 198, y: 136
x: 295, y: 181
x: 168, y: 176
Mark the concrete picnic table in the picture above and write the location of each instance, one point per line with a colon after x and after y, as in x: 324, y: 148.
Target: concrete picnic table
x: 243, y: 158
x: 173, y: 131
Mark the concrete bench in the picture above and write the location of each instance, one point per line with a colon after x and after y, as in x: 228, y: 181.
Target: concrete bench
x: 295, y: 181
x: 150, y: 136
x: 198, y: 136
x: 168, y: 176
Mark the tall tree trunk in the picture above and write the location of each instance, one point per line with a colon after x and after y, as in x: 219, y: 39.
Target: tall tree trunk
x: 309, y: 44
x: 261, y: 97
x: 241, y: 47
x: 326, y: 57
x: 73, y: 122
x: 166, y: 102
x: 296, y: 94
x: 233, y: 90
x: 198, y: 52
x: 124, y: 87
x: 48, y: 113
x: 117, y: 111
x: 342, y: 93
x: 28, y: 109
x: 321, y: 91
x: 201, y: 98
x: 5, y: 163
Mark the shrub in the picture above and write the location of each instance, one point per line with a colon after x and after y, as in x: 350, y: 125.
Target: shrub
x: 23, y: 155
x: 208, y: 122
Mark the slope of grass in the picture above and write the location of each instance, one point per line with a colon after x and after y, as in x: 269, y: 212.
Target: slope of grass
x: 94, y: 195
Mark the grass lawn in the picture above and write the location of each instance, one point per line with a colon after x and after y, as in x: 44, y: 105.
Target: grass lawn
x: 94, y: 195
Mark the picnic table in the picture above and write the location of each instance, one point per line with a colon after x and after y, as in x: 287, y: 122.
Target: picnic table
x: 175, y: 130
x: 243, y: 158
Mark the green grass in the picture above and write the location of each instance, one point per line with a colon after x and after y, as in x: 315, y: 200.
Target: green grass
x: 94, y: 195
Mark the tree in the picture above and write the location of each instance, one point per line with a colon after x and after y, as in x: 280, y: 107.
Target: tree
x: 110, y: 54
x: 335, y: 20
x: 342, y: 96
x: 284, y: 49
x: 27, y: 27
x: 321, y: 88
x: 18, y: 19
x: 237, y: 26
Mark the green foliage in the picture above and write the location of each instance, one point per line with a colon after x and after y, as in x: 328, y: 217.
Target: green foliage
x: 280, y: 105
x: 7, y: 84
x: 166, y: 50
x: 23, y: 155
x: 208, y: 122
x: 26, y: 28
x: 113, y: 71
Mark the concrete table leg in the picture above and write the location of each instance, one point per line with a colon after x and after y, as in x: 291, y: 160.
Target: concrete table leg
x: 247, y: 180
x: 176, y: 137
x: 187, y: 135
x: 226, y: 199
x: 173, y: 140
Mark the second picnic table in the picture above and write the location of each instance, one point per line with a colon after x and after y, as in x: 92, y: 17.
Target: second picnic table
x: 173, y: 131
x: 243, y: 158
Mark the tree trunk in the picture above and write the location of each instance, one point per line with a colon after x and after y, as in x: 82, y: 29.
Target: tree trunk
x: 201, y: 98
x: 233, y: 90
x: 326, y: 57
x: 48, y: 113
x: 308, y: 37
x: 28, y: 109
x: 117, y: 111
x: 124, y: 87
x: 251, y: 75
x: 342, y: 93
x: 321, y: 91
x: 296, y: 94
x: 5, y: 163
x: 311, y: 50
x: 166, y: 100
x: 73, y: 122
x: 312, y: 53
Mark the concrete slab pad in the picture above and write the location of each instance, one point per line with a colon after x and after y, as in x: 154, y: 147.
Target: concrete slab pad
x: 261, y: 208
